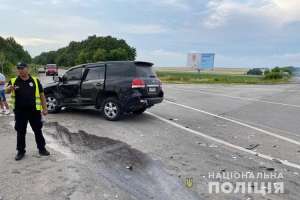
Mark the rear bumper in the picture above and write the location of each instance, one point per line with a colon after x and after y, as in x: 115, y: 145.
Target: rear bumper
x: 152, y: 101
x: 52, y: 73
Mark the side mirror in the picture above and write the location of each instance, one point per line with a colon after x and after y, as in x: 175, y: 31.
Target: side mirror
x: 57, y: 79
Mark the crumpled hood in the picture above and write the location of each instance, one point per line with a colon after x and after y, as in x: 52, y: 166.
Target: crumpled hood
x: 47, y: 85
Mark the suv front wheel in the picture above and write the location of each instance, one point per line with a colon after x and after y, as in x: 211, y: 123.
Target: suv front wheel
x: 111, y: 109
x: 51, y: 102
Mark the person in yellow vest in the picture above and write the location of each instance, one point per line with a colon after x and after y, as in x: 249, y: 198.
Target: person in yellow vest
x: 29, y: 104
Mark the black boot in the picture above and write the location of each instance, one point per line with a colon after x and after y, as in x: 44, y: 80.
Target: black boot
x: 20, y: 155
x: 44, y: 152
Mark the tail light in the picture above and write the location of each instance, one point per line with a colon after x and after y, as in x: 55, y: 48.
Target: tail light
x: 137, y: 83
x: 160, y: 84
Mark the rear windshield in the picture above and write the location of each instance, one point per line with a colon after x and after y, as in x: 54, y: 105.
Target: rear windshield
x: 145, y: 71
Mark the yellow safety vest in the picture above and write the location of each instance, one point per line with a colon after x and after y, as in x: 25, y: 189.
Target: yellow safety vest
x: 38, y: 103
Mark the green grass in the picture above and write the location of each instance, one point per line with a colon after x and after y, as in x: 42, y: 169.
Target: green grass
x: 186, y: 77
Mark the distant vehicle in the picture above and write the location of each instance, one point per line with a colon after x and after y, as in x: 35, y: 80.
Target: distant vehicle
x: 51, y: 70
x: 115, y: 87
x: 42, y: 70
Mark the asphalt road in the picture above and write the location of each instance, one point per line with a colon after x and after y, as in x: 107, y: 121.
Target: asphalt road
x: 204, y: 132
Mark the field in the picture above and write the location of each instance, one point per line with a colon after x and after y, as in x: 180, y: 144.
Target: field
x: 216, y: 76
x: 231, y: 71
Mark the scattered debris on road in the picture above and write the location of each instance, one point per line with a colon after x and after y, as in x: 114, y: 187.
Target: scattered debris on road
x: 277, y: 161
x: 252, y: 146
x: 129, y: 167
x: 270, y: 168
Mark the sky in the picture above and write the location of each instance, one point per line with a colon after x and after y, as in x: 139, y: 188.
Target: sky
x: 241, y: 33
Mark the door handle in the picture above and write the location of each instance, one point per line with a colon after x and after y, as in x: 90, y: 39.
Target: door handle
x: 98, y: 84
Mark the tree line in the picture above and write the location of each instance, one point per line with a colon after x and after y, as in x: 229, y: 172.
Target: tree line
x: 11, y: 52
x: 276, y: 72
x: 92, y: 49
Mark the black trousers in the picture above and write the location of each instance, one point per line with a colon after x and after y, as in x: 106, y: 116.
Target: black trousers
x: 22, y: 117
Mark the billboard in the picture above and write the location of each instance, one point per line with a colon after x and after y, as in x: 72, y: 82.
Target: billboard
x: 200, y: 60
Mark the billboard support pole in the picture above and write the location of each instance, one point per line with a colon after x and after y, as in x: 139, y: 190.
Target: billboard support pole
x: 198, y: 73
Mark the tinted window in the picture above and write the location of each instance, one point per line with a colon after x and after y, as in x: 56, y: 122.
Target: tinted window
x: 102, y: 71
x: 93, y: 73
x: 118, y: 70
x: 51, y: 66
x: 74, y: 74
x: 128, y: 69
x: 114, y: 71
x: 145, y: 71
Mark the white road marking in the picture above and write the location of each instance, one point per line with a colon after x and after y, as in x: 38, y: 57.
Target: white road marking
x: 269, y: 102
x: 237, y: 122
x: 225, y: 143
x: 267, y: 127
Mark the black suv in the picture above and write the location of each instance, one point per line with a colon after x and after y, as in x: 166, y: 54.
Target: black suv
x: 115, y: 87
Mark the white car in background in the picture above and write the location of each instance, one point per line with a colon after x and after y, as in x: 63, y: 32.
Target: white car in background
x: 42, y: 70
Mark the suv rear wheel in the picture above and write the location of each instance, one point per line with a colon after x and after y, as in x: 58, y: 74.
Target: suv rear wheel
x: 111, y: 109
x: 51, y: 102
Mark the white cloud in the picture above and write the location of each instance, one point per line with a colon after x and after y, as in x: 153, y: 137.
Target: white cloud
x: 33, y: 41
x: 176, y: 3
x: 287, y: 58
x: 141, y: 29
x: 219, y: 18
x: 180, y: 4
x: 280, y: 11
x: 56, y: 2
x: 38, y: 2
x: 6, y: 8
x: 162, y: 58
x: 258, y: 61
x: 272, y: 12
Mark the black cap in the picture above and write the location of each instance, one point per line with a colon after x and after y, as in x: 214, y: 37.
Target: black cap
x: 21, y: 65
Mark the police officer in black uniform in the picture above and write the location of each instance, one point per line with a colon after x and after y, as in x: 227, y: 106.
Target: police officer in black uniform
x: 29, y: 104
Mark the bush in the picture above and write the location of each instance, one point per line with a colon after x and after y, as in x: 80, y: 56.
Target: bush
x: 255, y: 71
x: 284, y: 69
x: 267, y: 72
x: 273, y: 75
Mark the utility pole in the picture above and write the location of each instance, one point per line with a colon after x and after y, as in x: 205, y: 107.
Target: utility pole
x: 199, y: 73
